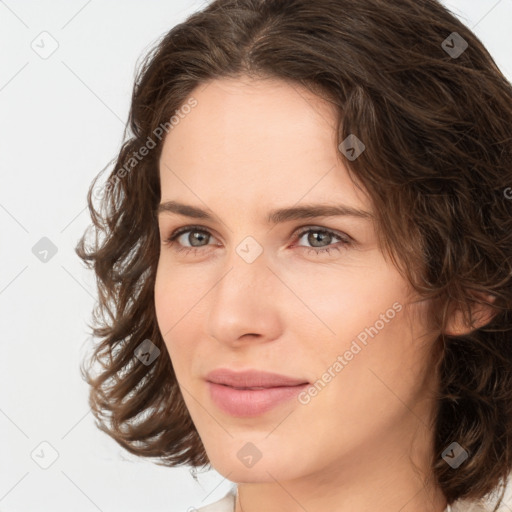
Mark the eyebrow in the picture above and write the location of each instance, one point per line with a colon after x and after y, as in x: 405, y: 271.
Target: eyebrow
x: 277, y: 216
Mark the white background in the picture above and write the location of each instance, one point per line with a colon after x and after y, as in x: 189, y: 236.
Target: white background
x: 61, y: 122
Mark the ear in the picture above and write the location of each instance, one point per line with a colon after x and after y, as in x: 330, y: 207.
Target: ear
x: 481, y: 315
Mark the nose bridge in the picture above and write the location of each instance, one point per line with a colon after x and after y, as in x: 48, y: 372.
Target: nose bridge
x: 246, y: 263
x: 247, y: 279
x: 244, y: 299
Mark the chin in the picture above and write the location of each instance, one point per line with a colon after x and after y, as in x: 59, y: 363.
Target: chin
x: 238, y: 468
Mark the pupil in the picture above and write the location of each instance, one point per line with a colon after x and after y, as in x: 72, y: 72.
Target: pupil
x: 317, y: 236
x: 196, y: 236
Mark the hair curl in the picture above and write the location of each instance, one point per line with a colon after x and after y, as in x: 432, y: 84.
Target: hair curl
x: 437, y: 166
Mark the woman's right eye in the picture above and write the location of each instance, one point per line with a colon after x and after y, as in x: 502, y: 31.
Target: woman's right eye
x: 200, y: 234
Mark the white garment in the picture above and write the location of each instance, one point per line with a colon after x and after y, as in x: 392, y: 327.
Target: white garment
x: 227, y: 504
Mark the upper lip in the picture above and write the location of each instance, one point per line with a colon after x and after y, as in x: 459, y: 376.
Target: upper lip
x: 251, y: 378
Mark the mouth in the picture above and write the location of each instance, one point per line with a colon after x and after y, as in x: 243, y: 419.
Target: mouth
x: 234, y: 387
x: 251, y: 379
x: 251, y: 401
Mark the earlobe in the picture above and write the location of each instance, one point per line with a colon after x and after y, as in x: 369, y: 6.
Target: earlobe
x: 481, y: 315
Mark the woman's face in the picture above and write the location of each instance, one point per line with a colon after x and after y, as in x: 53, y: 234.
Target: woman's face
x: 308, y: 297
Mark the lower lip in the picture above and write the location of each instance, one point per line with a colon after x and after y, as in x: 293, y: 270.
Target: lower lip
x: 247, y: 402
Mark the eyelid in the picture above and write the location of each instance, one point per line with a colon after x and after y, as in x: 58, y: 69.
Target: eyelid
x: 343, y: 236
x: 183, y: 229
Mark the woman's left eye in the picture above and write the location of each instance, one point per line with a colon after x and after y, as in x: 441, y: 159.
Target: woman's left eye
x: 319, y: 235
x: 315, y: 235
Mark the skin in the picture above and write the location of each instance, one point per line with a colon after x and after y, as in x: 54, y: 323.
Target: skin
x: 364, y: 442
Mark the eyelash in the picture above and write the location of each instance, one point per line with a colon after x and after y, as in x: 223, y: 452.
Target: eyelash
x: 345, y: 239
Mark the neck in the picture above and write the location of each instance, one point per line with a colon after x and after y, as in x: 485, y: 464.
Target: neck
x: 250, y: 499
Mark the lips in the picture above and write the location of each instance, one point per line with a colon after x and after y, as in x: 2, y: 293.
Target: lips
x: 251, y: 393
x: 252, y: 379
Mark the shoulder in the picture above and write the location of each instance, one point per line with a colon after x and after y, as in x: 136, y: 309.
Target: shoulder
x: 225, y: 504
x: 471, y: 506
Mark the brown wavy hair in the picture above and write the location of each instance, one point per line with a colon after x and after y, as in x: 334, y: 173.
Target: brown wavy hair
x: 437, y: 166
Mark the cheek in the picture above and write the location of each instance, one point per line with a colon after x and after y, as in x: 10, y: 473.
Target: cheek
x: 362, y: 316
x: 172, y: 303
x: 342, y: 301
x: 175, y: 294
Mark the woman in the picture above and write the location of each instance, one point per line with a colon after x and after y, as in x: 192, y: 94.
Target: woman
x: 307, y: 259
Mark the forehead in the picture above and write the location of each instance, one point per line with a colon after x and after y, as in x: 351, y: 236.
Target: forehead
x: 263, y: 139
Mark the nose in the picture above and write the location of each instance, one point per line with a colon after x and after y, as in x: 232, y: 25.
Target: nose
x: 246, y: 304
